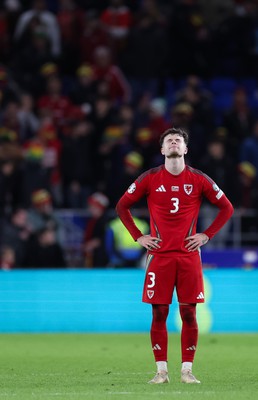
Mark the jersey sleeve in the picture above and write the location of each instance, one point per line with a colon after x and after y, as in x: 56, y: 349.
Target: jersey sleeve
x: 135, y: 192
x: 217, y: 197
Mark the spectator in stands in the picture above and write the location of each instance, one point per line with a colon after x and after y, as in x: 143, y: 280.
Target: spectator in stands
x: 94, y: 247
x: 237, y: 32
x: 119, y: 89
x: 94, y: 35
x: 52, y: 145
x: 117, y: 19
x: 103, y: 115
x: 157, y: 118
x: 8, y: 88
x: 130, y: 169
x: 27, y: 118
x: 126, y: 113
x: 156, y: 9
x: 5, y: 39
x: 84, y: 90
x: 193, y: 82
x: 249, y: 148
x: 150, y: 120
x: 77, y: 164
x: 182, y: 115
x: 190, y: 40
x: 11, y: 173
x: 202, y: 120
x: 27, y: 69
x: 248, y: 169
x: 7, y: 258
x: 15, y: 234
x: 238, y: 121
x: 47, y: 71
x: 35, y: 175
x: 43, y: 251
x: 41, y: 215
x: 70, y: 19
x: 43, y: 18
x: 221, y: 168
x: 142, y: 108
x: 117, y: 142
x: 248, y: 177
x: 248, y: 201
x: 143, y: 144
x: 10, y: 120
x: 55, y: 104
x: 13, y: 10
x: 200, y: 99
x: 122, y: 251
x: 145, y: 55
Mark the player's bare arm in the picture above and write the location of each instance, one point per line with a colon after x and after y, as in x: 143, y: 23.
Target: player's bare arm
x: 196, y: 241
x: 149, y: 242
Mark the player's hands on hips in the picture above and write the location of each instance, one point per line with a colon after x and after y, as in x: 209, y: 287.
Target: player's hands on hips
x: 196, y: 241
x: 149, y: 242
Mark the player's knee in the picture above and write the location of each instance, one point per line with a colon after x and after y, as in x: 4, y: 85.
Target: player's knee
x: 188, y: 314
x: 160, y: 312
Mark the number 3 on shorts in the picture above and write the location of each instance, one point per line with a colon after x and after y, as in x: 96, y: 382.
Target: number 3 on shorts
x: 152, y: 279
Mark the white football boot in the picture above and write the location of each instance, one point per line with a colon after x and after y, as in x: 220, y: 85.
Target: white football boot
x: 188, y: 377
x: 160, y: 377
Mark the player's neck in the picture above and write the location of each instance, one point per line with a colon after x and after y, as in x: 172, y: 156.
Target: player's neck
x: 175, y: 165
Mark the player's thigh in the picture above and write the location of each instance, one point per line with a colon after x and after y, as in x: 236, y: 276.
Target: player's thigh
x: 159, y: 280
x: 190, y: 288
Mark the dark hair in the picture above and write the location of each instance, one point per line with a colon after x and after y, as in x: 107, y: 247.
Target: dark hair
x: 174, y: 131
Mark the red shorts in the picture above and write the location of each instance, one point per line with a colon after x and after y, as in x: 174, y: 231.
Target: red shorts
x: 163, y: 274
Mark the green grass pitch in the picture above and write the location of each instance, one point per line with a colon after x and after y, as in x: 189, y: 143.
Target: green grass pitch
x: 118, y: 366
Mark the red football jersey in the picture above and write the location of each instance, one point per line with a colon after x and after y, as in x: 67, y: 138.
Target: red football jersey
x: 173, y: 202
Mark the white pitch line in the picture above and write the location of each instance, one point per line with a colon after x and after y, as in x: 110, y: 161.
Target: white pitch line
x: 96, y: 395
x: 171, y: 393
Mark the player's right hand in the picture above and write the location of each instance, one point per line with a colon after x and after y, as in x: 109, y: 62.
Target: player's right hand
x: 149, y: 242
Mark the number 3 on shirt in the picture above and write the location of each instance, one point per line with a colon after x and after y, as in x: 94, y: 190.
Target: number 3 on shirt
x: 152, y: 279
x: 175, y: 203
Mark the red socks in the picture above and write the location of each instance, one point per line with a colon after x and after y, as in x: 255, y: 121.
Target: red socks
x: 159, y: 334
x: 189, y: 334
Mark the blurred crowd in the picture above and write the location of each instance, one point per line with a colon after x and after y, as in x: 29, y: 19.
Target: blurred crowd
x: 86, y: 89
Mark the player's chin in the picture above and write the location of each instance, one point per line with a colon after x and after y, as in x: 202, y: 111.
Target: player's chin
x: 174, y: 154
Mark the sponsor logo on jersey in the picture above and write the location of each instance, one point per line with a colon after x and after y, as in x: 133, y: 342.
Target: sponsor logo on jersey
x: 188, y: 189
x: 131, y: 188
x: 175, y: 188
x: 161, y: 189
x: 150, y: 293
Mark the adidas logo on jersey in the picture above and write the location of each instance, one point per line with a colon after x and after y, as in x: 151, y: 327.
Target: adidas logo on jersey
x: 161, y: 189
x: 200, y: 296
x: 156, y: 347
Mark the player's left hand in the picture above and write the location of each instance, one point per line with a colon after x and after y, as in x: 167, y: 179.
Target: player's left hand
x: 196, y: 241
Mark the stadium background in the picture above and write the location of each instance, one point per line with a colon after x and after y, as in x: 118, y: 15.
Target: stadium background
x: 215, y: 42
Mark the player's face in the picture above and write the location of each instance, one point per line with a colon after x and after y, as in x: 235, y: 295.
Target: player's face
x: 173, y: 146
